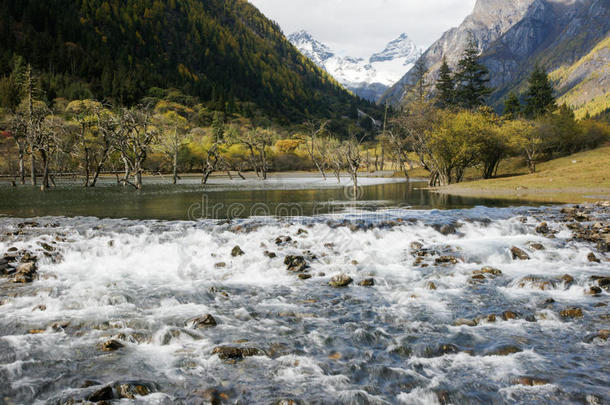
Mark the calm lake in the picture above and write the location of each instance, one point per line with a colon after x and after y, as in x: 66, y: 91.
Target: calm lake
x: 280, y: 195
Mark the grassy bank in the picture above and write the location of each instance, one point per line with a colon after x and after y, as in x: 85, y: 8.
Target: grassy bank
x: 572, y: 179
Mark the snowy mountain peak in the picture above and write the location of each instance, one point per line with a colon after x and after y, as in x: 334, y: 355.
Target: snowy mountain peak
x: 310, y: 47
x: 369, y: 78
x: 400, y: 48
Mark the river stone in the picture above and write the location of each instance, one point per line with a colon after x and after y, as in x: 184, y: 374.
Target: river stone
x: 466, y: 322
x: 430, y: 285
x: 592, y: 258
x: 103, y: 394
x: 341, y: 280
x: 567, y: 279
x: 25, y: 273
x: 237, y: 251
x: 415, y: 246
x: 46, y: 246
x: 542, y: 228
x: 536, y: 282
x: 446, y: 260
x: 594, y: 290
x: 446, y: 229
x: 369, y: 282
x: 507, y: 315
x: 295, y: 264
x: 304, y: 276
x: 504, y: 351
x: 603, y: 282
x: 488, y: 270
x: 573, y: 312
x: 530, y: 381
x: 235, y: 353
x: 111, y: 345
x: 536, y: 246
x: 269, y: 254
x: 204, y: 321
x: 129, y: 390
x: 518, y: 254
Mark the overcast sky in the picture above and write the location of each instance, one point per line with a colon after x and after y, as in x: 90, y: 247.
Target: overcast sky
x: 362, y: 27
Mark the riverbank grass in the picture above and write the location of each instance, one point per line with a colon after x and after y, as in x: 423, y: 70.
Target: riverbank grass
x: 571, y: 179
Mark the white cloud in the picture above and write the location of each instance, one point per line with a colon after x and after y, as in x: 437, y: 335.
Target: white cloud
x: 362, y: 27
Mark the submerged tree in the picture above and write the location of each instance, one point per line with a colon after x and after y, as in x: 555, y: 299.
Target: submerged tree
x: 313, y: 129
x: 173, y: 135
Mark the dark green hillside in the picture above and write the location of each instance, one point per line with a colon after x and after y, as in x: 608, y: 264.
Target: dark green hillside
x: 221, y: 51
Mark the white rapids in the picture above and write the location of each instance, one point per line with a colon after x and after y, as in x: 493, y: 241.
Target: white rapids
x: 433, y: 329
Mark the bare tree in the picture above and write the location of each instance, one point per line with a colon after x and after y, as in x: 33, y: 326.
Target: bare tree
x: 85, y: 113
x: 313, y: 130
x: 18, y: 129
x: 172, y: 137
x: 135, y: 140
x: 350, y: 149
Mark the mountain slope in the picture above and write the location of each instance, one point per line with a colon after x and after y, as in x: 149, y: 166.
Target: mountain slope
x: 556, y: 34
x: 218, y: 50
x: 515, y: 36
x: 488, y: 21
x: 368, y: 78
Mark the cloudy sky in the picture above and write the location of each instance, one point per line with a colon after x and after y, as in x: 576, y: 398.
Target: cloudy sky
x: 362, y: 27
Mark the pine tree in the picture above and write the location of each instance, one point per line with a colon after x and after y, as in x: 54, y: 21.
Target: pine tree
x: 472, y: 78
x: 539, y: 99
x: 512, y: 106
x: 420, y: 79
x: 445, y: 86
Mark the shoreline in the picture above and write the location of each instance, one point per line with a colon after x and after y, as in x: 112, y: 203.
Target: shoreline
x: 569, y: 195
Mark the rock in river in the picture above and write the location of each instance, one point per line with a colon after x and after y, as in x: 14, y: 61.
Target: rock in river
x: 235, y: 353
x: 341, y: 280
x: 296, y: 264
x: 518, y: 254
x: 573, y: 312
x: 237, y: 251
x: 25, y: 273
x: 203, y: 321
x: 369, y: 282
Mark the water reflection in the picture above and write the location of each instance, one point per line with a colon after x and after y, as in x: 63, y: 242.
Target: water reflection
x: 193, y: 201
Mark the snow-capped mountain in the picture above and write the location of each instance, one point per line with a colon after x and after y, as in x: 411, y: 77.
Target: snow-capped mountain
x: 369, y: 78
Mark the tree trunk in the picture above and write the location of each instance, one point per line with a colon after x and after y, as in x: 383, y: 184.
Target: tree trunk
x: 126, y: 176
x: 32, y: 169
x: 21, y: 168
x: 175, y: 168
x: 45, y: 173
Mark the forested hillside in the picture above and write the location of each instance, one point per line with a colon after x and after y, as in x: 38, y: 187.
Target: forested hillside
x: 222, y: 51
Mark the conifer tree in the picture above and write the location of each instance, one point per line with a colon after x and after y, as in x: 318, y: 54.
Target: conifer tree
x: 539, y: 99
x: 445, y: 86
x: 512, y: 106
x: 471, y: 78
x: 420, y: 79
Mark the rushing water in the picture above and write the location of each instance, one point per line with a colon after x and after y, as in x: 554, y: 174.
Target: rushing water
x: 141, y: 282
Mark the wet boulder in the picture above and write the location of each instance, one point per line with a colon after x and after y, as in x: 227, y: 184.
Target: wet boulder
x: 112, y: 345
x: 129, y: 390
x: 304, y: 276
x: 416, y: 246
x: 369, y: 282
x: 508, y: 315
x: 504, y: 350
x: 567, y: 280
x: 465, y: 322
x: 573, y: 312
x: 530, y: 381
x: 25, y: 273
x: 270, y: 255
x: 537, y: 282
x: 446, y: 229
x: 296, y: 264
x: 102, y: 394
x: 340, y: 280
x: 542, y: 228
x: 235, y: 353
x: 430, y: 285
x: 205, y: 321
x: 593, y: 290
x: 282, y: 240
x: 536, y: 246
x: 518, y: 253
x: 446, y: 260
x: 441, y: 350
x: 488, y: 270
x: 592, y: 258
x: 236, y: 251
